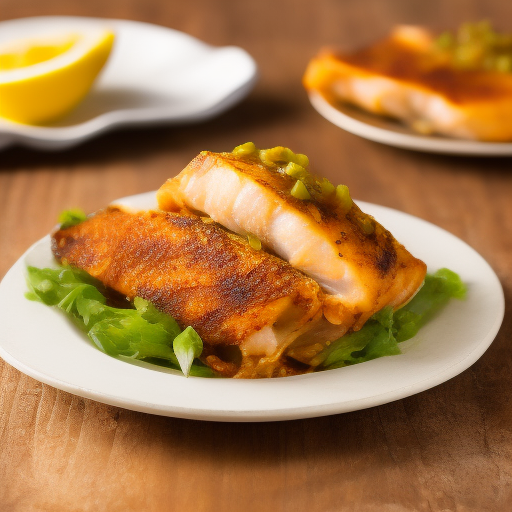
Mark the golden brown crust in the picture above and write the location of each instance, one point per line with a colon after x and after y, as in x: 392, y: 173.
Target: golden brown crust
x: 392, y: 58
x: 194, y: 271
x: 406, y: 77
x: 386, y: 268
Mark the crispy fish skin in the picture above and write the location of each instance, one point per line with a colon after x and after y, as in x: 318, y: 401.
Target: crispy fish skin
x: 357, y: 262
x: 201, y: 275
x: 402, y: 77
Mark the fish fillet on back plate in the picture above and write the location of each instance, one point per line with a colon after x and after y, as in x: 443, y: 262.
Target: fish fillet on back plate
x: 203, y: 276
x: 357, y: 262
x: 404, y: 77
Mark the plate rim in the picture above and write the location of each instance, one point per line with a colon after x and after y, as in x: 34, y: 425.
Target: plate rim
x: 270, y: 414
x: 411, y: 141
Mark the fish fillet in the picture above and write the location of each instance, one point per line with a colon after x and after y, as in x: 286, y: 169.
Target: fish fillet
x: 203, y: 276
x: 403, y: 78
x: 357, y: 262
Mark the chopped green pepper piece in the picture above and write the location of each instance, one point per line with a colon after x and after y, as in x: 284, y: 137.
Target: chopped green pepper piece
x: 300, y: 191
x: 343, y: 197
x: 477, y: 46
x: 296, y: 171
x: 245, y: 149
x: 445, y: 40
x: 301, y: 160
x: 254, y: 242
x: 326, y: 187
x: 279, y: 154
x: 367, y: 225
x: 282, y: 155
x: 503, y: 63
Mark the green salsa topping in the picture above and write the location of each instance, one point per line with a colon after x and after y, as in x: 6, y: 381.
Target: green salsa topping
x: 477, y: 46
x: 254, y: 242
x: 296, y: 165
x: 300, y: 191
x: 343, y: 197
x: 245, y: 149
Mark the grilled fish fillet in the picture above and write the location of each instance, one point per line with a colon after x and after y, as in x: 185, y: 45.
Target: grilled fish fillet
x: 359, y: 265
x: 203, y: 276
x: 402, y: 77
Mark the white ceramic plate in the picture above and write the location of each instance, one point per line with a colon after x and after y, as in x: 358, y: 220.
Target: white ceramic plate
x: 386, y: 131
x: 40, y: 342
x: 154, y: 75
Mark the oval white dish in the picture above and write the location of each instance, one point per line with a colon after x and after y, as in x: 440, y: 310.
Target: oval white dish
x: 392, y: 133
x: 39, y: 341
x: 154, y: 75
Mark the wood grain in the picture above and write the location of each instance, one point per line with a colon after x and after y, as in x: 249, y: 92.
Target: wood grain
x: 446, y: 449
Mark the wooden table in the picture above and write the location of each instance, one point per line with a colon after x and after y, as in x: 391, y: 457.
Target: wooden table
x: 446, y: 449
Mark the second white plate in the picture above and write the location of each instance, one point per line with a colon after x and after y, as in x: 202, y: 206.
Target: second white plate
x: 392, y: 133
x: 154, y: 75
x: 41, y: 342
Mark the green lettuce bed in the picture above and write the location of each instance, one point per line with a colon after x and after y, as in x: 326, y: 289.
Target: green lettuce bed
x: 140, y: 331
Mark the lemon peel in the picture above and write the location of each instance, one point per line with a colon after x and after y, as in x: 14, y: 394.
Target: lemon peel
x: 43, y: 79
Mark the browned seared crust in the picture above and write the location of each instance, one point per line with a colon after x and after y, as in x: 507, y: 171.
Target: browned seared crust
x: 376, y: 252
x: 419, y: 84
x: 384, y: 265
x: 394, y: 59
x: 193, y: 270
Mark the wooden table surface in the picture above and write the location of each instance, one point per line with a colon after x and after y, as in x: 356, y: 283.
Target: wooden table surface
x: 446, y: 449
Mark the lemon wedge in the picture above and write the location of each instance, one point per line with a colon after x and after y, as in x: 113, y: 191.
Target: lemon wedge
x: 43, y: 79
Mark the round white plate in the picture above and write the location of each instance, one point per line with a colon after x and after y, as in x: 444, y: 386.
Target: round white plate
x: 392, y: 133
x: 39, y: 341
x: 154, y: 75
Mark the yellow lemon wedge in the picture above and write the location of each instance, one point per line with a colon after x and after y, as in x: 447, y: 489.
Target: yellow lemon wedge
x: 43, y: 79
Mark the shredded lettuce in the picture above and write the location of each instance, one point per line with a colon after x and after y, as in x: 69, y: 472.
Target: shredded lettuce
x: 383, y: 332
x: 139, y: 331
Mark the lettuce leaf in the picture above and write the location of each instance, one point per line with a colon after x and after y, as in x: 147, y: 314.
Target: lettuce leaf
x: 187, y: 346
x: 383, y: 332
x: 143, y: 332
x: 71, y: 217
x: 139, y: 332
x: 435, y: 293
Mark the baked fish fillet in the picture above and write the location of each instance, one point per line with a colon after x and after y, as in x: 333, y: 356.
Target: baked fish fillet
x: 357, y: 262
x: 404, y: 77
x: 203, y: 276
